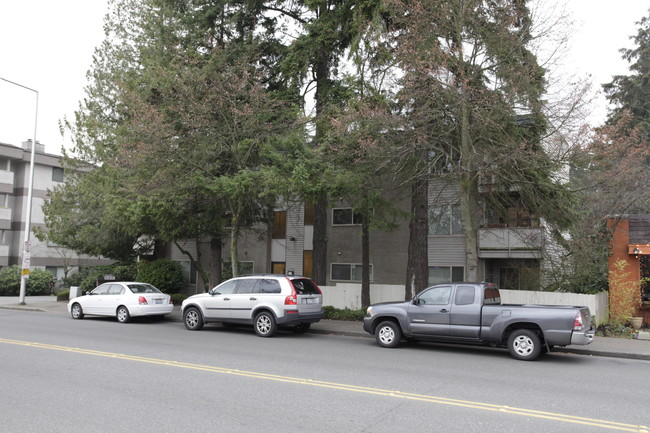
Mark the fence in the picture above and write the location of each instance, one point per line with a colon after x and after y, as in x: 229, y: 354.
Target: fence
x: 348, y: 295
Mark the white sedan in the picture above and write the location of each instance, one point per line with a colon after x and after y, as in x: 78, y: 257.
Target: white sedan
x: 122, y: 300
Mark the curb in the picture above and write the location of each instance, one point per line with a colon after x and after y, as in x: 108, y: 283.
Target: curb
x: 21, y: 307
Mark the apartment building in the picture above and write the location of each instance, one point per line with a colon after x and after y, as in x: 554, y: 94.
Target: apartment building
x: 514, y: 248
x: 14, y: 184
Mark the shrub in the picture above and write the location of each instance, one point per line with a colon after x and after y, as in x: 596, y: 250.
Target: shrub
x: 63, y: 295
x: 178, y: 298
x: 616, y: 328
x: 343, y: 314
x: 10, y: 281
x: 165, y: 274
x: 90, y: 277
x: 40, y: 282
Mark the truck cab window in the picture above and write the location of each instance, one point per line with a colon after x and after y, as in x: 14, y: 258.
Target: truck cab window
x: 436, y: 296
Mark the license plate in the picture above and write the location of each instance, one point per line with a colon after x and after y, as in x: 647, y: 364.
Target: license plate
x: 311, y: 301
x: 158, y: 301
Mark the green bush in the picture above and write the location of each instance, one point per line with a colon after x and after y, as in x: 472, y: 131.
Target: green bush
x: 178, y: 298
x: 63, y: 295
x: 40, y: 282
x: 10, y: 281
x: 343, y: 314
x: 89, y: 277
x: 165, y: 274
x: 616, y: 328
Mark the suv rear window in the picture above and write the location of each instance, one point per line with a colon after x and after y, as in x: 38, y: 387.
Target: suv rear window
x: 305, y: 287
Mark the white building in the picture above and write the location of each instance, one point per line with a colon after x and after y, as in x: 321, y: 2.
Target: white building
x: 14, y: 184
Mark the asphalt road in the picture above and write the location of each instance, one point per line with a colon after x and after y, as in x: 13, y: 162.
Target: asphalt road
x: 96, y: 375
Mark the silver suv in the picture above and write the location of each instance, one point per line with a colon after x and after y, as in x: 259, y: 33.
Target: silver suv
x: 265, y: 301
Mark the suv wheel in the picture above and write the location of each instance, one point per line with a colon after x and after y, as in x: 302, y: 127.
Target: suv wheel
x: 265, y: 325
x: 192, y: 319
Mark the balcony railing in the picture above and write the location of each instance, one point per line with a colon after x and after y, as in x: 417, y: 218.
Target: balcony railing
x: 516, y: 242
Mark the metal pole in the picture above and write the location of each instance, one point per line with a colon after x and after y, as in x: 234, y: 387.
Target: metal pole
x: 28, y: 220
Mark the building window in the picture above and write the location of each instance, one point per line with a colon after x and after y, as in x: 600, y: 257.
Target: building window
x: 189, y: 272
x: 445, y: 220
x: 520, y: 278
x: 309, y: 214
x: 4, y: 235
x: 57, y: 174
x: 446, y: 274
x: 346, y: 216
x: 511, y: 214
x: 5, y: 164
x: 279, y: 268
x: 279, y: 224
x: 348, y: 272
x: 4, y: 200
x: 244, y: 268
x: 52, y: 270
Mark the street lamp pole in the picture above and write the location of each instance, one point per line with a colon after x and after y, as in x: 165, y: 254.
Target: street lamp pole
x: 28, y: 219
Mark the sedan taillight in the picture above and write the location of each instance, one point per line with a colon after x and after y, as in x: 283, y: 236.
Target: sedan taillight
x: 142, y: 300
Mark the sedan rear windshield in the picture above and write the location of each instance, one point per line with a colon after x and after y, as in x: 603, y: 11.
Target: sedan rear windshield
x: 305, y: 287
x: 143, y: 288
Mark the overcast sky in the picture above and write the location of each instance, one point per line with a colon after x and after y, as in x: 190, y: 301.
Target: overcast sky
x: 47, y: 46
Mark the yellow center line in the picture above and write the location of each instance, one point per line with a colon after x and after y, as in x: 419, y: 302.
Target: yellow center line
x: 345, y: 387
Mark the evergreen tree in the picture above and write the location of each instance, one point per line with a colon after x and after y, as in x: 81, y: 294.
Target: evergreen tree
x: 632, y: 92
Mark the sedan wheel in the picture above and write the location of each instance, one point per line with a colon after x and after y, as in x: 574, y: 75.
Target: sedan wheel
x: 388, y: 334
x: 123, y: 315
x: 192, y: 319
x: 265, y: 324
x: 76, y: 311
x: 524, y: 344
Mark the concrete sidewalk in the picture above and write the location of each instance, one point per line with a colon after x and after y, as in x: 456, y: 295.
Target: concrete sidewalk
x: 601, y: 346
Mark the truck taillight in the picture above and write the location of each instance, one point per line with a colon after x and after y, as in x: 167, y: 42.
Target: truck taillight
x: 577, y: 322
x: 142, y: 300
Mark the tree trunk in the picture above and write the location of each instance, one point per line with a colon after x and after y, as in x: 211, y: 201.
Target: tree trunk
x: 321, y: 71
x: 234, y: 235
x: 417, y: 268
x: 469, y: 209
x: 319, y: 271
x: 365, y: 260
x: 215, y: 260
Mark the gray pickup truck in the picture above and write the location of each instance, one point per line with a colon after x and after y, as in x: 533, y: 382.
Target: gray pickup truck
x: 472, y: 313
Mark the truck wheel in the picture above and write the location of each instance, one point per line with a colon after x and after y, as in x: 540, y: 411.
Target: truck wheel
x: 524, y: 344
x: 388, y: 334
